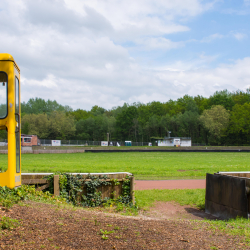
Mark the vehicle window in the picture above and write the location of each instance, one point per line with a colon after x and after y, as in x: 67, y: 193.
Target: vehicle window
x: 3, y: 95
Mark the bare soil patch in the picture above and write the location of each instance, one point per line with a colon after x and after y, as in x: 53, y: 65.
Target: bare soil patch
x: 173, y: 210
x: 45, y: 226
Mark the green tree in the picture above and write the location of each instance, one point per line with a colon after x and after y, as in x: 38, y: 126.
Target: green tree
x: 36, y: 124
x: 239, y: 129
x: 61, y: 126
x: 125, y: 123
x: 240, y: 97
x: 223, y: 98
x: 3, y: 134
x: 39, y: 106
x: 96, y: 110
x: 215, y: 120
x: 80, y: 114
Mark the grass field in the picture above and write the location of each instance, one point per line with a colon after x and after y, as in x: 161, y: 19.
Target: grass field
x: 193, y: 197
x: 151, y: 165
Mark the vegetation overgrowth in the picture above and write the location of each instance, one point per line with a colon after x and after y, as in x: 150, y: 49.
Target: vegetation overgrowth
x: 145, y: 199
x: 221, y: 119
x: 151, y: 165
x: 71, y: 193
x: 9, y: 197
x: 72, y: 189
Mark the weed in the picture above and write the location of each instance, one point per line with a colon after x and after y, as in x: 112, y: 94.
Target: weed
x: 106, y: 232
x: 104, y: 237
x: 239, y: 226
x: 8, y: 223
x: 97, y: 223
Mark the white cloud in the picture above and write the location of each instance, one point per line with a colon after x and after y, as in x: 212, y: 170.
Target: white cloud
x: 107, y: 89
x: 48, y: 83
x: 152, y: 43
x: 211, y: 38
x: 132, y: 19
x: 206, y: 81
x: 77, y: 52
x: 239, y: 36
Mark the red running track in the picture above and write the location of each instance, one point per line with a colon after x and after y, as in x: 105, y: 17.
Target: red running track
x: 170, y: 184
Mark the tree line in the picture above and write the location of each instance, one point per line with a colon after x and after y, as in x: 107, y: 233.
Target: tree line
x: 221, y: 119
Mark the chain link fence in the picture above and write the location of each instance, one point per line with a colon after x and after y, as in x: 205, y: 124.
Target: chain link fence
x: 46, y: 142
x: 199, y: 144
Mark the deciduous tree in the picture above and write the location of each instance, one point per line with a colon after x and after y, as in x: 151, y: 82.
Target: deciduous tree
x: 215, y: 120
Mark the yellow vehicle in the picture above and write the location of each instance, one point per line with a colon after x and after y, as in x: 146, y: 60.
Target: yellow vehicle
x: 10, y: 118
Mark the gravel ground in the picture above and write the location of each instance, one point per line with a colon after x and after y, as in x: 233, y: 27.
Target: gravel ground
x: 44, y: 226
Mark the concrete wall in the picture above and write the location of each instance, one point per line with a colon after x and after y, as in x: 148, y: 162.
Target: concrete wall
x: 111, y: 191
x: 227, y: 196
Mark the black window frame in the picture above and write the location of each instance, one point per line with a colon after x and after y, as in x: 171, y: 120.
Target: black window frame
x: 1, y: 118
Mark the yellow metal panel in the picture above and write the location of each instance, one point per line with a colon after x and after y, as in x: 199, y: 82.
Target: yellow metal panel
x: 10, y: 178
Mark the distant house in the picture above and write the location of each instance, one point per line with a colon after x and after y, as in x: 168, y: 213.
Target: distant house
x: 174, y: 141
x: 29, y: 140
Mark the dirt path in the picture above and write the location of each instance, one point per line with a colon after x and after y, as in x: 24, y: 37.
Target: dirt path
x: 44, y: 226
x: 170, y: 184
x: 173, y: 210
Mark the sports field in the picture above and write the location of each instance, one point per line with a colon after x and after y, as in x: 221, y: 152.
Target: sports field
x: 150, y: 165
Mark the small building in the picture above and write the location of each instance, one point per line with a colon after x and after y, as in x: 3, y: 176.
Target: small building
x: 29, y: 140
x: 174, y: 141
x: 128, y: 143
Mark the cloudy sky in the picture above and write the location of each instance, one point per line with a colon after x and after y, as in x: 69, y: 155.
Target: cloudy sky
x: 83, y: 53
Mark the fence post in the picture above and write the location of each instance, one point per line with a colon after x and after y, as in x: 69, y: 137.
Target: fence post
x: 132, y: 186
x: 56, y: 185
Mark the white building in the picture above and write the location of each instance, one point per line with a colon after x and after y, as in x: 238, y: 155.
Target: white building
x: 175, y: 142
